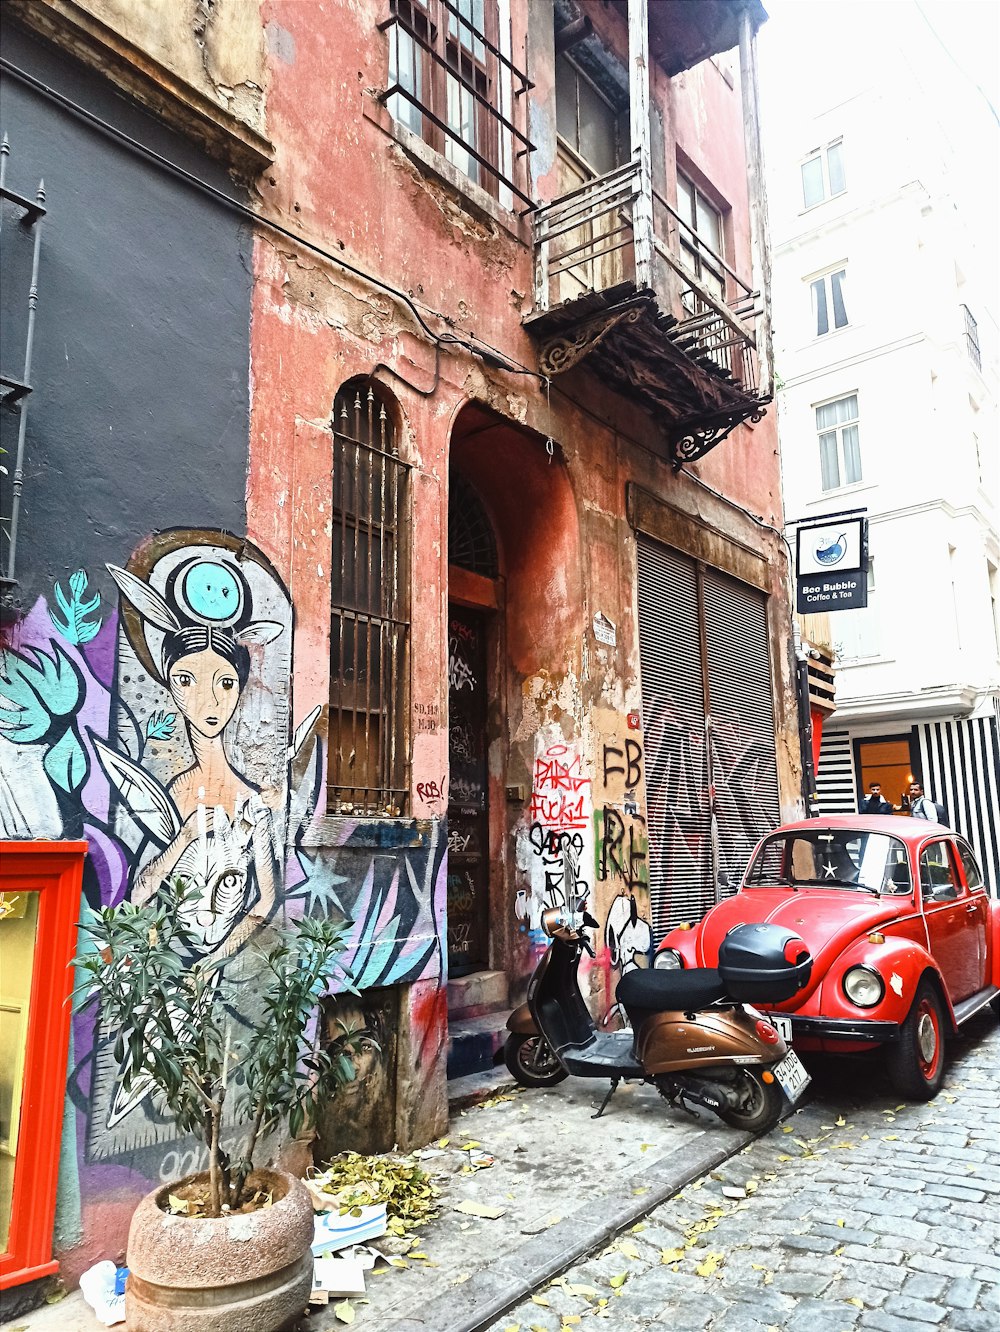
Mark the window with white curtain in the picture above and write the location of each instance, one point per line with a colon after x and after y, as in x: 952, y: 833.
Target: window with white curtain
x: 839, y: 443
x: 856, y: 632
x: 823, y: 174
x: 829, y: 302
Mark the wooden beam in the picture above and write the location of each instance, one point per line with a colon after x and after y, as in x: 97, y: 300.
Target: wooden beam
x: 638, y: 80
x: 759, y: 243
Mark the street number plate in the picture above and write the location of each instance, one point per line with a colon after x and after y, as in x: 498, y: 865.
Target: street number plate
x: 782, y: 1025
x: 791, y: 1076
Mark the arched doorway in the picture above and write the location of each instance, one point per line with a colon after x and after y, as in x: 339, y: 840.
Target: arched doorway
x: 515, y: 602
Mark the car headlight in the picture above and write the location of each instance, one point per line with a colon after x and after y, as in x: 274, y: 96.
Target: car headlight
x: 863, y: 986
x: 668, y: 960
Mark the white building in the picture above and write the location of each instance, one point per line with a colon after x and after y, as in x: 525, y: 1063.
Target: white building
x: 882, y: 181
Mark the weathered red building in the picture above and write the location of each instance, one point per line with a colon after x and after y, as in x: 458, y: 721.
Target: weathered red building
x: 512, y: 502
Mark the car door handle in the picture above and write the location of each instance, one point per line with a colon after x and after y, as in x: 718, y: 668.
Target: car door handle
x: 972, y: 909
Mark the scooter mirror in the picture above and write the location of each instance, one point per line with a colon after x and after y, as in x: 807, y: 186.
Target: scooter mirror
x: 553, y: 918
x: 589, y: 922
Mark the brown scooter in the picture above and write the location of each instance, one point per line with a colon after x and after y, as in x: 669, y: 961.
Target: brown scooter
x: 692, y: 1036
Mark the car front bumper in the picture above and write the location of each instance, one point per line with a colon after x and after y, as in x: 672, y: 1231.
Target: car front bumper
x: 843, y: 1029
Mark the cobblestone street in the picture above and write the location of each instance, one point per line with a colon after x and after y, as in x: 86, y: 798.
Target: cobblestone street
x: 860, y: 1213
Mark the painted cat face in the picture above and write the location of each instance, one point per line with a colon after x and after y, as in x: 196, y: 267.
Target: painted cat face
x: 206, y: 688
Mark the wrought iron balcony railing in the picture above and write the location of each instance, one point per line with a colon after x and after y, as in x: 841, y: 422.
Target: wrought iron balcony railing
x: 681, y: 329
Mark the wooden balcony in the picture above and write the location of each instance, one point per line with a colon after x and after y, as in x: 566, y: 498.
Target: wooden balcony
x: 627, y: 288
x: 687, y: 353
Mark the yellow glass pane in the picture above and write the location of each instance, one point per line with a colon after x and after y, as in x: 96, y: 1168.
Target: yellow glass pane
x: 18, y: 929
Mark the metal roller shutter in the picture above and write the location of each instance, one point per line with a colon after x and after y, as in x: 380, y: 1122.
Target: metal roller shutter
x: 744, y: 767
x: 697, y: 854
x: 673, y: 705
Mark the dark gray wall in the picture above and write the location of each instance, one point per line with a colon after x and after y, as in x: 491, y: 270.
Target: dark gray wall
x: 139, y: 418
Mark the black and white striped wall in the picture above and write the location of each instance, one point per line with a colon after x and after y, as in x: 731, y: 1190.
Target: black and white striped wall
x: 959, y: 766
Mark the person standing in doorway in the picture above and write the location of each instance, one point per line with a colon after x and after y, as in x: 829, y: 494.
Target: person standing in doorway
x: 923, y: 807
x: 874, y: 802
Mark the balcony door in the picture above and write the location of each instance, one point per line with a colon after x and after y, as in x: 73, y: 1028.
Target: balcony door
x: 593, y: 139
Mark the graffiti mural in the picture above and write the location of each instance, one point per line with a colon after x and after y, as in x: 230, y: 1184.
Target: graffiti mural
x: 621, y: 860
x: 556, y: 848
x: 162, y: 732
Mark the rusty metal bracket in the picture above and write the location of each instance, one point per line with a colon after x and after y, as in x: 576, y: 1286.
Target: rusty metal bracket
x: 693, y: 439
x: 564, y: 351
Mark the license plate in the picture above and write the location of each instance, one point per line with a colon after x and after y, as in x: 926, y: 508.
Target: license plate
x: 782, y: 1025
x: 792, y: 1076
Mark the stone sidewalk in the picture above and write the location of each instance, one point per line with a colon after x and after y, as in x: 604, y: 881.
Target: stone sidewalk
x: 566, y: 1183
x: 861, y: 1213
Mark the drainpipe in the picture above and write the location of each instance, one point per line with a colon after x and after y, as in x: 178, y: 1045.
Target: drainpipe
x: 760, y: 247
x: 638, y: 90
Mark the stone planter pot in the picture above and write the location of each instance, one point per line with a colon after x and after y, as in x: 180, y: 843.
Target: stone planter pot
x: 250, y: 1272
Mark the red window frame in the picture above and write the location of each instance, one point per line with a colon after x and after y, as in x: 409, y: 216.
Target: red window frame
x: 55, y: 871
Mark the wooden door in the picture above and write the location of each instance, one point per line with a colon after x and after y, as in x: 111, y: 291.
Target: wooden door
x: 468, y: 835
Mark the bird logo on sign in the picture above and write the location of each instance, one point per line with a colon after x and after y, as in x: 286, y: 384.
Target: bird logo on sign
x: 832, y: 553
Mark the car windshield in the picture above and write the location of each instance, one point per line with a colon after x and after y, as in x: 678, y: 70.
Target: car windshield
x: 832, y: 858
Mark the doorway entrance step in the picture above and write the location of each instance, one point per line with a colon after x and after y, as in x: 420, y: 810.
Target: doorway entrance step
x: 474, y: 1043
x: 479, y: 992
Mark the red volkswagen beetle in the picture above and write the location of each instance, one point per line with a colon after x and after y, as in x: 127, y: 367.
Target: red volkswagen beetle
x: 904, y: 935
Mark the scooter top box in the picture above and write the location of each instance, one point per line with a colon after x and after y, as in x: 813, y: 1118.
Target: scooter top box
x: 763, y: 964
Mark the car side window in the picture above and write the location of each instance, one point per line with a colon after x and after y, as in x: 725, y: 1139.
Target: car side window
x: 937, y: 873
x: 973, y: 877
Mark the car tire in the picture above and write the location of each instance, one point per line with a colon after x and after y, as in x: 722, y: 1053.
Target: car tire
x: 916, y: 1061
x: 531, y: 1061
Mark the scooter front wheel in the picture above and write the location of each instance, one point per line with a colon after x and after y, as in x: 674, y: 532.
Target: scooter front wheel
x: 532, y: 1061
x: 758, y: 1104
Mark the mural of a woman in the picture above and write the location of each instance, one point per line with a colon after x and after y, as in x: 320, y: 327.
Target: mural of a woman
x: 188, y: 630
x: 214, y: 824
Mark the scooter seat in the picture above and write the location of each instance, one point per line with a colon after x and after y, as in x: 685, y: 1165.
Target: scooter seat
x: 664, y: 991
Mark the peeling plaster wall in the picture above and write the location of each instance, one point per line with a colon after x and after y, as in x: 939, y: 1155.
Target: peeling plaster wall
x: 216, y: 46
x: 383, y: 202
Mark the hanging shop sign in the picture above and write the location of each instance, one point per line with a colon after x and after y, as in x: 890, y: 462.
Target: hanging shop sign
x: 831, y: 565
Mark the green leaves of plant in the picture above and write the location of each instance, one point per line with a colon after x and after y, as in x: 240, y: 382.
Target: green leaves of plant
x: 175, y: 1032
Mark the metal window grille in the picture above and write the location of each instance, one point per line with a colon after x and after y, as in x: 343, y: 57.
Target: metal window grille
x: 369, y: 610
x: 471, y: 543
x: 972, y: 338
x: 451, y: 80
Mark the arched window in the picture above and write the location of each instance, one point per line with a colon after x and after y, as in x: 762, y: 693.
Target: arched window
x: 471, y: 543
x: 369, y: 605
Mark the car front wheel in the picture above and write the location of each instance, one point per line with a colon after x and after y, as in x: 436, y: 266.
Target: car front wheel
x: 916, y: 1061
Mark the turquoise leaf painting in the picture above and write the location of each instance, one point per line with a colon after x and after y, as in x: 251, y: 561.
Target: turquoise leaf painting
x: 160, y: 725
x: 36, y: 694
x: 74, y: 624
x: 66, y: 762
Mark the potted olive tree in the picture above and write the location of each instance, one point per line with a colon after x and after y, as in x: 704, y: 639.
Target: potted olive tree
x: 229, y: 1248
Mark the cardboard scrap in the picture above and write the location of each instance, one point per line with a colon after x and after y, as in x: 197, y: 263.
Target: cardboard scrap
x: 339, y: 1276
x: 480, y: 1209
